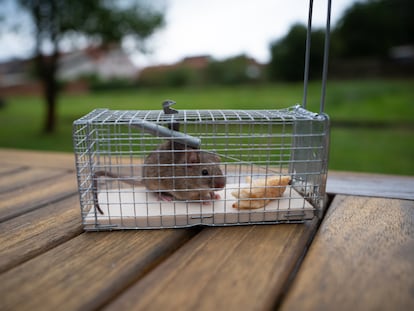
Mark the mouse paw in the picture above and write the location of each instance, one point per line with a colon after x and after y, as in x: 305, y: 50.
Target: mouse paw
x: 214, y: 196
x: 211, y: 197
x: 165, y: 197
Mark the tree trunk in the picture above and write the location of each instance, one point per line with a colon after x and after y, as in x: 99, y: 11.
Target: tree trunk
x: 47, y: 30
x: 50, y: 95
x: 47, y: 67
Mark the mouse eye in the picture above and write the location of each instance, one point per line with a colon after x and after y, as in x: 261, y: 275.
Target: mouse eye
x: 204, y: 172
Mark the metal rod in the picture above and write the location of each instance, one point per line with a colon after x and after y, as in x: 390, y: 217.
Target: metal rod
x: 161, y: 131
x: 326, y: 57
x: 307, y: 56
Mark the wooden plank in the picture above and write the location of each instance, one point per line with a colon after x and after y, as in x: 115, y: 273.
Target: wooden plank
x: 31, y: 234
x: 230, y: 268
x: 22, y: 178
x: 362, y: 258
x: 15, y: 203
x: 37, y: 158
x: 375, y: 185
x: 10, y: 169
x: 87, y: 271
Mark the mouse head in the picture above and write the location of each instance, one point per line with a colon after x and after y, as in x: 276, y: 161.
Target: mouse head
x: 201, y: 166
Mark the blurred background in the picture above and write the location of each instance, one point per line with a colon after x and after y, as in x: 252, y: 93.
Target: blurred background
x: 61, y: 59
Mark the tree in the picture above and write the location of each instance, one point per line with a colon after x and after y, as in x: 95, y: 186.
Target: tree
x: 231, y: 71
x: 288, y: 55
x: 99, y: 21
x: 371, y: 28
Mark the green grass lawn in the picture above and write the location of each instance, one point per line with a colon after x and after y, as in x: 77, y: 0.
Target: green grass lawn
x: 388, y: 149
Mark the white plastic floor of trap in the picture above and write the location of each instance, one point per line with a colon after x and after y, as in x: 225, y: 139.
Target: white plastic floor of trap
x: 138, y: 208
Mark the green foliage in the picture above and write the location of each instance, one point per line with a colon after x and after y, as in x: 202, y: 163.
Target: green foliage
x: 97, y: 84
x: 151, y: 78
x: 179, y: 77
x: 367, y: 30
x: 232, y: 71
x: 235, y: 70
x: 173, y: 76
x: 371, y: 28
x: 288, y: 55
x: 97, y: 20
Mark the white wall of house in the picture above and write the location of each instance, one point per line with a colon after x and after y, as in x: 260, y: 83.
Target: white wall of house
x: 75, y: 65
x: 116, y: 64
x: 112, y: 64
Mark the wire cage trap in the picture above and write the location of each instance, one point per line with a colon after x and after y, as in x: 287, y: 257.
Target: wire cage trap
x: 168, y: 169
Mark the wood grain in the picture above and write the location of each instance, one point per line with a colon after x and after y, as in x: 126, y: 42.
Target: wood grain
x: 23, y: 178
x: 87, y: 271
x: 375, y: 185
x: 31, y: 234
x: 232, y: 268
x: 35, y: 195
x: 37, y: 158
x: 362, y: 258
x: 6, y: 169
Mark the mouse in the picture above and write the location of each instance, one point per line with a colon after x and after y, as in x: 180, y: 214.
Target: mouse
x: 175, y: 172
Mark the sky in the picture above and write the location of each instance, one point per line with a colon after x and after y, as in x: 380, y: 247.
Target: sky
x: 219, y: 28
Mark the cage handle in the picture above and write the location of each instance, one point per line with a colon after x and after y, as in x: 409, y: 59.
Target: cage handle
x: 325, y: 56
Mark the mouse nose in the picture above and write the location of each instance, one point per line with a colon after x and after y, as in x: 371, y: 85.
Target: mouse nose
x: 219, y: 182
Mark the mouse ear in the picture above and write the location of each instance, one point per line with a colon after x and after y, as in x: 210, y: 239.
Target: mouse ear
x: 193, y: 157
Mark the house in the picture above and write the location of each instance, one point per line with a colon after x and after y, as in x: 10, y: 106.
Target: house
x: 193, y: 62
x: 196, y: 62
x: 16, y: 76
x: 15, y: 72
x: 106, y: 64
x: 184, y: 72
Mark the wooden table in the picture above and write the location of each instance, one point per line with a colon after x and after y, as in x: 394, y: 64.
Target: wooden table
x: 360, y: 256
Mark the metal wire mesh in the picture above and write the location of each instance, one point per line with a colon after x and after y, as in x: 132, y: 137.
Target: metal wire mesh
x: 111, y: 155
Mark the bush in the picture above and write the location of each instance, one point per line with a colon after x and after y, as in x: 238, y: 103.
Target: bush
x: 170, y: 76
x: 232, y: 71
x: 288, y: 55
